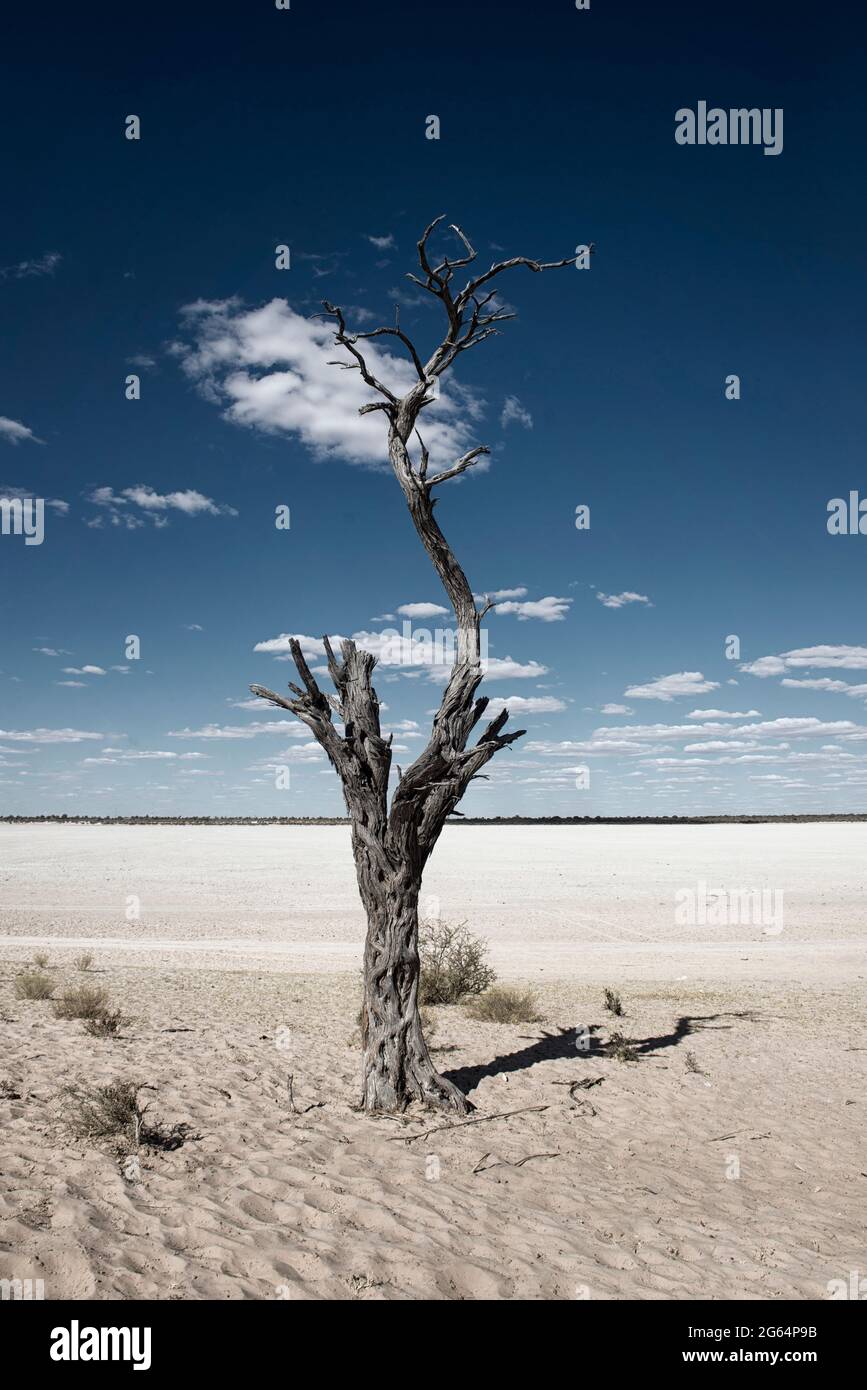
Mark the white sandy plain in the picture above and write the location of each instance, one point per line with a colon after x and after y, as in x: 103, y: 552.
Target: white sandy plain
x: 726, y: 1162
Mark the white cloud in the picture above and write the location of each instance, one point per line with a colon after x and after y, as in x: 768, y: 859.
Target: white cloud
x: 621, y: 600
x: 546, y: 610
x: 382, y: 243
x: 134, y: 755
x: 504, y: 668
x: 723, y: 714
x: 83, y: 671
x: 514, y: 412
x: 23, y: 494
x: 24, y: 270
x: 397, y: 651
x: 422, y: 610
x: 15, y: 432
x: 300, y: 753
x: 843, y: 657
x: 153, y: 504
x: 521, y: 704
x: 269, y: 370
x: 855, y: 692
x: 615, y: 709
x: 229, y: 731
x: 496, y: 595
x: 311, y: 647
x: 47, y: 735
x: 670, y: 687
x: 765, y: 666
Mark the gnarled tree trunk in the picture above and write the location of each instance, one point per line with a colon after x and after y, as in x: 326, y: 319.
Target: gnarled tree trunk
x: 396, y: 1065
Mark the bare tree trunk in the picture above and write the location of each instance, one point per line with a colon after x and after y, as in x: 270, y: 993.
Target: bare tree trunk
x: 396, y: 1065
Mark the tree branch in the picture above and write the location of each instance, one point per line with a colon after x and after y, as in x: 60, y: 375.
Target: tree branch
x: 429, y: 790
x: 461, y: 466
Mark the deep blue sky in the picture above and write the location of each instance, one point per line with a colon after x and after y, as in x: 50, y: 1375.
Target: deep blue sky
x: 306, y: 128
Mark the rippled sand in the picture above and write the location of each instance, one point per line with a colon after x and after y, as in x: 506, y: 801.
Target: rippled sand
x: 725, y: 1162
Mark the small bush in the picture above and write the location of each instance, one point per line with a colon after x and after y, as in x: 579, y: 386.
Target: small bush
x: 115, y: 1112
x: 106, y: 1024
x: 453, y: 963
x: 613, y: 1002
x: 108, y: 1112
x: 84, y: 961
x: 504, y: 1005
x: 33, y: 984
x: 692, y: 1064
x: 620, y: 1047
x: 84, y: 1001
x: 40, y: 960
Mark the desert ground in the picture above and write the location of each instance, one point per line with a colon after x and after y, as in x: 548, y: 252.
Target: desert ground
x: 724, y: 1157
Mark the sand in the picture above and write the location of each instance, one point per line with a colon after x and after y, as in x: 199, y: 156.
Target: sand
x: 726, y: 1161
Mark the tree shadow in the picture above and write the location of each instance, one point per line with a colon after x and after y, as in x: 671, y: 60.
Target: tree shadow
x: 580, y: 1044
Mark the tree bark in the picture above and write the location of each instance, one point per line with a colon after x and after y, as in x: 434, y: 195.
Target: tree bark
x: 396, y: 1064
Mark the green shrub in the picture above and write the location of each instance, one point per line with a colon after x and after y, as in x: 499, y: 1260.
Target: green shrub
x: 104, y: 1112
x: 613, y: 1002
x: 453, y: 963
x: 622, y: 1048
x: 82, y: 1001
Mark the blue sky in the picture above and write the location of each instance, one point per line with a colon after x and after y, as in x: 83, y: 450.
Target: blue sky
x: 307, y: 128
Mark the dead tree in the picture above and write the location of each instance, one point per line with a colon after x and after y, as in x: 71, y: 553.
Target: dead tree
x: 392, y: 844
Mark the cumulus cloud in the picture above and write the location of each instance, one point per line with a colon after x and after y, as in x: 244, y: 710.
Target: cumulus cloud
x: 670, y: 687
x: 83, y: 671
x: 14, y: 432
x: 525, y: 704
x: 422, y: 610
x: 546, y: 610
x: 621, y: 600
x: 268, y: 368
x: 394, y: 650
x: 154, y: 505
x: 843, y: 657
x: 504, y: 668
x: 497, y: 595
x: 615, y: 709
